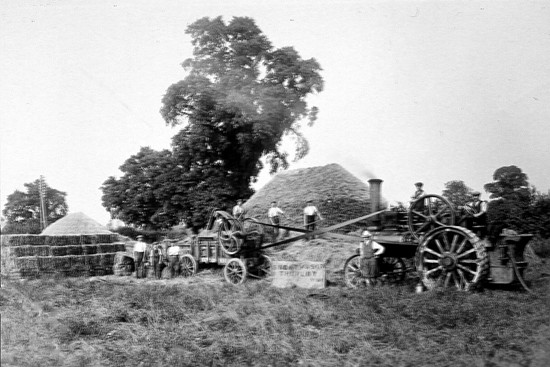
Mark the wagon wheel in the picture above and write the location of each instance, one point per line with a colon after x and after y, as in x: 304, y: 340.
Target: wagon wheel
x: 451, y: 257
x: 229, y: 234
x: 264, y: 267
x: 392, y: 269
x: 188, y: 266
x: 235, y: 271
x: 352, y: 272
x: 429, y: 212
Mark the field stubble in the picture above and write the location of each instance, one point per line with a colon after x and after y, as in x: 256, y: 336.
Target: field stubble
x: 120, y: 321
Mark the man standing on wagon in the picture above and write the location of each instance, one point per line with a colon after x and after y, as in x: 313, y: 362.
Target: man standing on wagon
x: 274, y: 214
x: 311, y: 216
x: 238, y: 210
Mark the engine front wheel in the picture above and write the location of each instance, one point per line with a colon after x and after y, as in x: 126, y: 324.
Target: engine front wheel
x: 352, y: 272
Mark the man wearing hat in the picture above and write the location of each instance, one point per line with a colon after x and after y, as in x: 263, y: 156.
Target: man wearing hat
x: 369, y: 251
x: 238, y: 210
x: 139, y: 250
x: 419, y: 191
x: 476, y: 211
x: 274, y: 213
x: 311, y: 213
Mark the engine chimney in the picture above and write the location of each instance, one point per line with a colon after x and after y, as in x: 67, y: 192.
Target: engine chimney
x: 375, y: 194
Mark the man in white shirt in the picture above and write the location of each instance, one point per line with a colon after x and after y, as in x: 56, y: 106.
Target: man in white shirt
x: 274, y: 214
x: 139, y: 250
x: 174, y: 259
x: 238, y: 210
x: 310, y: 216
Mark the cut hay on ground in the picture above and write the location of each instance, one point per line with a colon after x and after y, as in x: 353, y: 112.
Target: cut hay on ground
x: 337, y: 194
x: 75, y: 223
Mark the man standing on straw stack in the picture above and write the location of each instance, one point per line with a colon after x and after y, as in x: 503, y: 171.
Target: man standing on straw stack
x: 139, y: 250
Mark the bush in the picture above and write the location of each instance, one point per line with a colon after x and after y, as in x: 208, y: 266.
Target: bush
x: 22, y: 228
x: 541, y: 247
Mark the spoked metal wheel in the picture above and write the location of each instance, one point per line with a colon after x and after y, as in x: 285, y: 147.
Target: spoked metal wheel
x: 392, y: 269
x: 264, y: 267
x: 188, y: 265
x: 429, y: 212
x: 352, y: 272
x: 230, y: 236
x: 235, y: 271
x: 451, y: 257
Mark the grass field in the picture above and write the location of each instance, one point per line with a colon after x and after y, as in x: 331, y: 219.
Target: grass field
x: 204, y: 321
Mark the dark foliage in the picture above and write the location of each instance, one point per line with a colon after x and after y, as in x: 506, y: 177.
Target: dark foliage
x: 517, y: 205
x: 22, y: 210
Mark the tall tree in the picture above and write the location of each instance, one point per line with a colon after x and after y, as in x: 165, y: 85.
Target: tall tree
x: 240, y: 97
x: 457, y: 192
x: 511, y: 190
x: 22, y: 210
x: 142, y: 196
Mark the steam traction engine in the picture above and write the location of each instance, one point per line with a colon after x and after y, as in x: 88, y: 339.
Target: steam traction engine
x: 446, y: 253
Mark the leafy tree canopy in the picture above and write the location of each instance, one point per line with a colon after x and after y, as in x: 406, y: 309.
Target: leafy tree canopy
x: 140, y: 196
x: 511, y: 189
x: 240, y: 97
x: 457, y: 192
x: 510, y: 183
x: 22, y: 210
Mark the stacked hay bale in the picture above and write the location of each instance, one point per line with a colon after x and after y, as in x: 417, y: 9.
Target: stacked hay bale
x: 75, y: 245
x: 337, y: 194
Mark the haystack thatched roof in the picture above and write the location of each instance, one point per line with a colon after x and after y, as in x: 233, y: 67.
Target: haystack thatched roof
x: 332, y: 189
x: 75, y: 223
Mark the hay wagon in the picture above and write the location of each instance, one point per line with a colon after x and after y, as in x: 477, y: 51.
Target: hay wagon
x: 235, y: 244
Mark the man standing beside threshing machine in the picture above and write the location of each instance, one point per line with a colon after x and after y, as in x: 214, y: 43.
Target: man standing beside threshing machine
x: 369, y: 251
x: 139, y: 250
x: 173, y: 253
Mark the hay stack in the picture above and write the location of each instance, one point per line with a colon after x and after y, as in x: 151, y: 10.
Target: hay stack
x: 337, y: 194
x: 75, y: 223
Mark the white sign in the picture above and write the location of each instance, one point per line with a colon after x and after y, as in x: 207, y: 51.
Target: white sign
x: 303, y: 274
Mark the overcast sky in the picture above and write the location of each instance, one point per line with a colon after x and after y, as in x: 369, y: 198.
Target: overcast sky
x: 414, y: 91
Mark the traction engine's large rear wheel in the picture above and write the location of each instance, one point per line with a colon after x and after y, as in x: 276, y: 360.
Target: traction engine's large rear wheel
x: 451, y: 257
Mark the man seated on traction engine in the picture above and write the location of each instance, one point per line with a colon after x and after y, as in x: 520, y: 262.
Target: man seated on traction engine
x: 476, y: 215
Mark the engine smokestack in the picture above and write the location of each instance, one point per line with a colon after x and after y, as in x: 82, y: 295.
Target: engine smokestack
x: 375, y: 194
